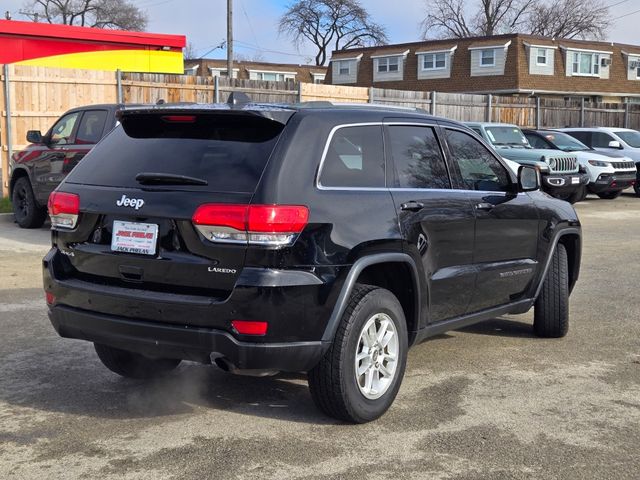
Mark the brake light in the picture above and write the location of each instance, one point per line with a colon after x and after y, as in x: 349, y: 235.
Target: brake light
x: 179, y: 118
x: 64, y: 209
x: 245, y: 327
x: 269, y: 225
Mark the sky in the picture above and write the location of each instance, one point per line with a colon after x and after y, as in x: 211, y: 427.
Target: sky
x: 256, y: 24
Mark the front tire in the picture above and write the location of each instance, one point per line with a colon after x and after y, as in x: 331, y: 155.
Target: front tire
x: 26, y: 211
x: 610, y: 195
x: 551, y: 311
x: 360, y: 375
x: 133, y: 365
x: 579, y: 195
x: 636, y: 188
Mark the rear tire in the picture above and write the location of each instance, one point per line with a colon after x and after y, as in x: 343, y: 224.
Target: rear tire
x: 133, y: 365
x: 610, y: 195
x: 551, y: 312
x: 27, y: 212
x: 636, y: 188
x: 360, y: 375
x: 579, y: 195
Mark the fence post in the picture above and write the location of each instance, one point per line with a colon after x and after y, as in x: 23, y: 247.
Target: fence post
x: 371, y: 99
x: 216, y: 89
x: 489, y: 114
x: 5, y: 158
x: 538, y: 114
x: 434, y: 104
x: 582, y: 112
x: 626, y: 115
x: 299, y: 91
x: 119, y: 95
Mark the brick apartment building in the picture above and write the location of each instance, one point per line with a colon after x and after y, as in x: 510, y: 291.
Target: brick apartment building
x: 503, y: 64
x: 257, y: 70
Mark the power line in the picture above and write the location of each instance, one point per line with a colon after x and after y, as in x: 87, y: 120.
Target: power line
x: 625, y: 15
x: 255, y: 38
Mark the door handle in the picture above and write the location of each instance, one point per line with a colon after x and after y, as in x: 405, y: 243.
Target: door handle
x: 484, y: 206
x: 412, y: 206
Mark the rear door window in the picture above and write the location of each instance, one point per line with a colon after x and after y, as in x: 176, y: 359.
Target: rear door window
x: 228, y: 151
x: 417, y: 159
x: 354, y: 158
x: 91, y: 127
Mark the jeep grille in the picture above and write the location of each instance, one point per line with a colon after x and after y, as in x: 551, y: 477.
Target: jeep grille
x: 564, y: 164
x: 623, y: 165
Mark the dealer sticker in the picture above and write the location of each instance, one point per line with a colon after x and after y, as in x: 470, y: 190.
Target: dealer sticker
x: 132, y: 237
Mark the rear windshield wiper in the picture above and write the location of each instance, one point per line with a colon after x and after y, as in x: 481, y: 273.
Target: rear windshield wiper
x: 149, y: 178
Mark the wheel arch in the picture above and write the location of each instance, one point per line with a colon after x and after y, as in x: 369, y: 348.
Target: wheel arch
x: 396, y: 272
x: 17, y: 173
x: 570, y: 238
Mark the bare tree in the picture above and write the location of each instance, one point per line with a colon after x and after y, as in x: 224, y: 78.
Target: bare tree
x: 556, y: 18
x: 331, y: 24
x: 113, y: 14
x: 570, y: 19
x: 189, y: 52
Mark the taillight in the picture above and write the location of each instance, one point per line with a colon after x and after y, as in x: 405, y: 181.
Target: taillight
x: 269, y: 225
x: 63, y: 209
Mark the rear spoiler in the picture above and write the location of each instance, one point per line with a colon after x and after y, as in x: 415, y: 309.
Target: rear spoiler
x: 277, y: 113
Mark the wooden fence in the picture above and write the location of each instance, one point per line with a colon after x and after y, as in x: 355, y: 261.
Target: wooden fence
x: 37, y: 96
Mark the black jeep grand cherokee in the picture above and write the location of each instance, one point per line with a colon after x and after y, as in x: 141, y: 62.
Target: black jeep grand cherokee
x: 324, y: 239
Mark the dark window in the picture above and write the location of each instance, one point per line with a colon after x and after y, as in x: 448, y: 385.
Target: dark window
x: 584, y: 137
x: 601, y: 139
x: 536, y: 142
x: 479, y: 169
x: 228, y: 151
x: 354, y: 158
x: 62, y: 131
x: 91, y: 127
x: 417, y: 158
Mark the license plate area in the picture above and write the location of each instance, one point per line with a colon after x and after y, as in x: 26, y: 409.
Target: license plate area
x: 575, y: 180
x: 134, y: 237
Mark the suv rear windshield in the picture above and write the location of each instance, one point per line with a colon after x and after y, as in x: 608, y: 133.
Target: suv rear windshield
x: 228, y: 151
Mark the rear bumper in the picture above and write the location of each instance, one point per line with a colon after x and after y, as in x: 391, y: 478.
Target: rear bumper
x: 613, y: 182
x: 190, y: 327
x: 183, y: 342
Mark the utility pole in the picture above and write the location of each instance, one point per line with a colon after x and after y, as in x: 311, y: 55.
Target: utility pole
x: 230, y: 38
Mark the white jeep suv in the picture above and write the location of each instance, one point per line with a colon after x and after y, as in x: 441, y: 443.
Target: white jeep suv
x: 623, y: 141
x: 609, y: 173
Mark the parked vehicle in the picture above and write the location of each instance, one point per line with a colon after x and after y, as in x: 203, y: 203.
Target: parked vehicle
x: 617, y: 140
x: 609, y: 174
x: 561, y: 175
x: 270, y: 238
x: 38, y: 169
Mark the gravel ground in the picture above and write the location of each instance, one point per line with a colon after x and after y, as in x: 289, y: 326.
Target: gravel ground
x: 491, y: 401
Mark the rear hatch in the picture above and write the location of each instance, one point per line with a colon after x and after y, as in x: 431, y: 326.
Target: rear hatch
x: 140, y: 187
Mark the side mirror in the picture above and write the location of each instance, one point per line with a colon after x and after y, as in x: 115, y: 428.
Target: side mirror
x: 34, y: 136
x: 528, y: 179
x: 615, y: 144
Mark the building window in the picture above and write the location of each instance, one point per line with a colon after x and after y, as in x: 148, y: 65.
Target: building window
x: 488, y: 57
x: 274, y: 76
x: 586, y: 64
x: 344, y: 67
x: 541, y: 57
x: 318, y: 78
x: 434, y: 61
x: 388, y: 64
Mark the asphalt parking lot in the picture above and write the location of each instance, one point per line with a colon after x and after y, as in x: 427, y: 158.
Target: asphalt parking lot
x: 491, y: 401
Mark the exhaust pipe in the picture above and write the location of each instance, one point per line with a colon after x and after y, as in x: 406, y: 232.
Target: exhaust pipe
x: 227, y: 366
